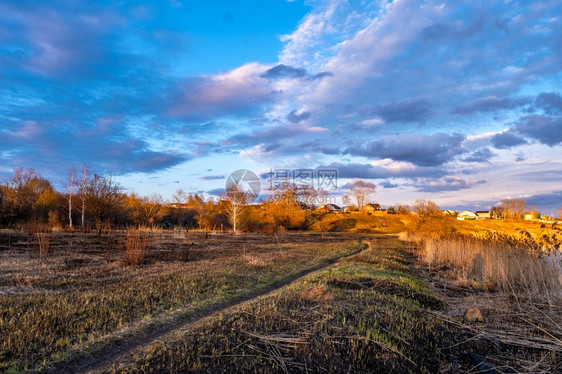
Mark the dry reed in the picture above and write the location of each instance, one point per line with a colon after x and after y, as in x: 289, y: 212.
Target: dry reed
x: 510, y: 265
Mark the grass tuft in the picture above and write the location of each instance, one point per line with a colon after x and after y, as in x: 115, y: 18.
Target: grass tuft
x: 136, y: 245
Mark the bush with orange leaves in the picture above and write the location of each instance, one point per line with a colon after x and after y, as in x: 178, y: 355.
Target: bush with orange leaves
x: 275, y: 217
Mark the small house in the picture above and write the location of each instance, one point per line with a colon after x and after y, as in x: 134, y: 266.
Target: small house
x: 531, y: 216
x: 467, y: 215
x: 484, y: 214
x: 371, y: 208
x: 329, y: 208
x: 448, y: 212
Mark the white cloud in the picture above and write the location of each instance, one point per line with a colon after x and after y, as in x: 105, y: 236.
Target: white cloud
x: 372, y: 121
x: 390, y: 164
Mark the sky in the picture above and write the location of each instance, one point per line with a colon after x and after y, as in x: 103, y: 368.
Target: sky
x: 456, y: 102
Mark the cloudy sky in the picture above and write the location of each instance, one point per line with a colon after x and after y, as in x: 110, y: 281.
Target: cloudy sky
x: 457, y: 102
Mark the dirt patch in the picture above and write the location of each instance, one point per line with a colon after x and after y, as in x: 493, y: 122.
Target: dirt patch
x: 319, y: 293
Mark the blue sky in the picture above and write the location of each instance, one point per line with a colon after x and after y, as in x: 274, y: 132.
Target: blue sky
x: 457, y: 102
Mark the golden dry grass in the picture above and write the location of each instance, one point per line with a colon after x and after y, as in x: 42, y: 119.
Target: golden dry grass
x: 377, y: 223
x: 517, y: 263
x: 494, y: 263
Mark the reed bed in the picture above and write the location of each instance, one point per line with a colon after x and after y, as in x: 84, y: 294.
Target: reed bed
x: 516, y: 265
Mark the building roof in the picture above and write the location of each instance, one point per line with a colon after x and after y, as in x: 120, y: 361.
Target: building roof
x: 329, y: 207
x: 375, y: 206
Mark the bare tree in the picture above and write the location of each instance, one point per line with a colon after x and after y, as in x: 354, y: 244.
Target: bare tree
x: 497, y: 211
x: 70, y: 191
x: 513, y: 208
x: 402, y: 209
x: 361, y: 191
x: 237, y: 199
x: 145, y: 210
x: 27, y: 195
x: 560, y: 213
x: 84, y: 192
x: 152, y: 209
x: 180, y: 197
x: 22, y: 192
x: 103, y: 197
x: 426, y: 208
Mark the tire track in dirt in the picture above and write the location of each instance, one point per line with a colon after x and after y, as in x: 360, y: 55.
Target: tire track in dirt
x: 122, y: 348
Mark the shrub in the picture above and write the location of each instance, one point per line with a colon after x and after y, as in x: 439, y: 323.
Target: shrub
x: 433, y: 226
x: 136, y: 246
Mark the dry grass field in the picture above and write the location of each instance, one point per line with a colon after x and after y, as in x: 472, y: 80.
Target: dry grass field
x: 367, y: 313
x: 87, y: 292
x: 327, y: 301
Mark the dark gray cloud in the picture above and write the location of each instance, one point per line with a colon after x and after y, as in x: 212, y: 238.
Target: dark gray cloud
x: 446, y: 184
x: 143, y: 160
x: 554, y: 175
x: 490, y: 104
x: 273, y: 138
x: 411, y: 110
x: 368, y: 171
x: 547, y: 130
x: 387, y: 184
x: 419, y: 149
x: 547, y: 202
x: 364, y: 184
x: 282, y: 71
x: 105, y: 147
x: 502, y: 24
x: 242, y: 96
x: 212, y: 177
x: 296, y: 117
x: 507, y: 140
x: 448, y: 31
x: 550, y: 102
x: 321, y: 75
x: 481, y: 155
x: 216, y: 192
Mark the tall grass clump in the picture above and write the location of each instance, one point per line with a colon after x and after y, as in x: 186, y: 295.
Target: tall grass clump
x: 136, y: 246
x: 44, y: 246
x: 497, y: 261
x: 35, y: 227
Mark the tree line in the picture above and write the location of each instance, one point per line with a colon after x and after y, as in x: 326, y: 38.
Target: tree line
x: 92, y: 201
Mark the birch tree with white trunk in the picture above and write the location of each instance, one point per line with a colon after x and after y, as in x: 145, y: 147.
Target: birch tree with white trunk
x: 70, y: 191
